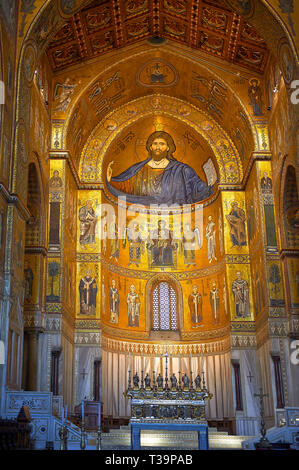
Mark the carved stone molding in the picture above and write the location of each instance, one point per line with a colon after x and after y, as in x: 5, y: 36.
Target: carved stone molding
x: 88, y: 338
x: 53, y: 323
x: 275, y: 312
x: 34, y: 320
x: 38, y: 403
x: 244, y: 327
x: 88, y: 324
x: 213, y: 347
x: 294, y: 328
x: 206, y: 335
x: 243, y: 341
x: 278, y: 328
x: 15, y: 200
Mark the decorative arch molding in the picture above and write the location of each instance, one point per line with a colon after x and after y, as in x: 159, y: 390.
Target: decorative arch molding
x: 278, y: 16
x: 287, y: 162
x: 34, y: 161
x: 150, y: 285
x: 159, y: 105
x: 204, y: 66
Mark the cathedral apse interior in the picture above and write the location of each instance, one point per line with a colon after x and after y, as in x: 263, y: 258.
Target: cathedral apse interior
x: 149, y: 206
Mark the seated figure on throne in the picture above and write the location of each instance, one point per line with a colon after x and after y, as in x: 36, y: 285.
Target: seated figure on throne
x: 161, y: 246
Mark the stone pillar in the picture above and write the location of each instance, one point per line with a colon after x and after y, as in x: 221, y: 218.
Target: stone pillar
x: 97, y: 371
x: 55, y: 371
x: 32, y: 364
x: 278, y: 382
x: 238, y: 390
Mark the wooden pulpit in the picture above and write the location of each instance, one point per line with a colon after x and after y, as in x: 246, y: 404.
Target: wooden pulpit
x: 91, y: 414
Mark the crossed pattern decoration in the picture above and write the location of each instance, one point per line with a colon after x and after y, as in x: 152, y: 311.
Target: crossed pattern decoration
x: 207, y: 25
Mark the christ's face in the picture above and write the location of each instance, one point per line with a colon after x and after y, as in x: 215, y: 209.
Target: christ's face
x: 239, y: 275
x: 159, y: 149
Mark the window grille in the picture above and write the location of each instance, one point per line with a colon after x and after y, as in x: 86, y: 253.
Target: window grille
x: 164, y: 304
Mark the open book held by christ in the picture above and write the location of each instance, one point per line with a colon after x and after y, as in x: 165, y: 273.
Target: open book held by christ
x: 161, y: 179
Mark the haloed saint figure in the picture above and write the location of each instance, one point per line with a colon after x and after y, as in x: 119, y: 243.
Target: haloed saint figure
x: 160, y: 179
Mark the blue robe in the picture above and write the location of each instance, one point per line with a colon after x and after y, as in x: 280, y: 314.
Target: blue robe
x: 180, y: 185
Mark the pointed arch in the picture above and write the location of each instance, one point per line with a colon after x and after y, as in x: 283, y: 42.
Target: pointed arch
x: 152, y: 283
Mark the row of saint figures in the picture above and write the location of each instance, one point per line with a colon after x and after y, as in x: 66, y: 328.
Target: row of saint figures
x: 153, y: 382
x: 161, y: 244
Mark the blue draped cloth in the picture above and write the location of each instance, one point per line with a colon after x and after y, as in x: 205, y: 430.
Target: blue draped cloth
x: 180, y: 185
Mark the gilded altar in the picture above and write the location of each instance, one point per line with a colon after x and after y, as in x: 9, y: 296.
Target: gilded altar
x: 178, y: 407
x: 156, y: 405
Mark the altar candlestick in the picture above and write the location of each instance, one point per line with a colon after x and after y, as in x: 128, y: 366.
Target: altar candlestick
x: 99, y: 416
x: 141, y: 365
x: 62, y: 414
x: 82, y: 410
x: 129, y: 360
x: 65, y: 415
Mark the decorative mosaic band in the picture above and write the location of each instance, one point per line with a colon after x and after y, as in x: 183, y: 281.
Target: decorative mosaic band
x: 99, y: 258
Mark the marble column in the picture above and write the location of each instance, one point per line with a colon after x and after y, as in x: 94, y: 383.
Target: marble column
x: 55, y: 371
x: 32, y: 364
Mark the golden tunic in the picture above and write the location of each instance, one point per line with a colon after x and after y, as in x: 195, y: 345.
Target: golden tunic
x: 147, y: 182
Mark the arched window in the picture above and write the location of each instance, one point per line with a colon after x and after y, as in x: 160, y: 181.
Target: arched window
x: 164, y: 307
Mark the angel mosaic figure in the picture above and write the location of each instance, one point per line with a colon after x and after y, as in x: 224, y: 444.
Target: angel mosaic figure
x: 114, y: 242
x: 191, y: 242
x: 136, y: 246
x: 63, y: 94
x: 211, y: 239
